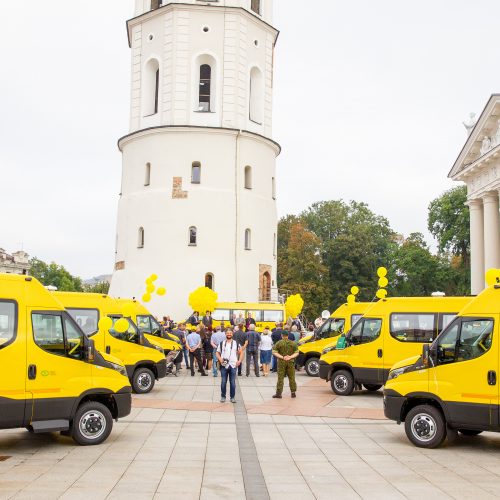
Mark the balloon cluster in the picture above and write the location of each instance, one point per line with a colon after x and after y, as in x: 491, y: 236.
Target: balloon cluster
x: 492, y: 277
x: 351, y: 298
x: 150, y: 288
x: 106, y: 323
x: 294, y: 305
x: 203, y: 299
x: 382, y: 283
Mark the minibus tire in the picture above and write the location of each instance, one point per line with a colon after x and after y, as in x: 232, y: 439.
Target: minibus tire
x: 425, y: 426
x: 312, y: 367
x: 469, y: 432
x: 342, y: 383
x: 92, y: 423
x: 143, y: 381
x: 372, y: 387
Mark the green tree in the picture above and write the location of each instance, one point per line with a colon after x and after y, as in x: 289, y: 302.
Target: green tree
x: 55, y: 275
x: 101, y: 287
x: 448, y: 222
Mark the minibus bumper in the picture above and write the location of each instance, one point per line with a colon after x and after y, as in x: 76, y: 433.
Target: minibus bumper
x: 161, y: 368
x: 123, y: 401
x: 324, y: 370
x: 393, y: 405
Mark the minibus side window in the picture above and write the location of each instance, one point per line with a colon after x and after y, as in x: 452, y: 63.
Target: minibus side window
x: 74, y: 340
x: 475, y: 339
x: 332, y: 328
x: 144, y: 324
x: 155, y: 327
x: 221, y: 315
x: 86, y: 319
x: 413, y: 327
x: 446, y: 319
x: 256, y: 315
x: 273, y: 316
x: 48, y: 333
x: 355, y: 318
x: 371, y: 330
x: 8, y: 323
x: 130, y: 335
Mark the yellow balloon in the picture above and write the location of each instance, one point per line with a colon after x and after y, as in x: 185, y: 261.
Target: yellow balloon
x: 161, y: 291
x: 153, y: 277
x: 128, y: 309
x: 294, y: 305
x: 146, y: 297
x: 121, y: 325
x: 150, y: 288
x: 149, y: 281
x: 351, y: 299
x: 383, y: 282
x: 354, y: 290
x: 105, y: 323
x: 381, y: 293
x: 381, y: 272
x: 492, y: 276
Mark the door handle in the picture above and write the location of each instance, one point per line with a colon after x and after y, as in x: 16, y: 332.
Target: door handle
x: 492, y: 377
x: 108, y: 349
x: 379, y: 353
x: 32, y: 372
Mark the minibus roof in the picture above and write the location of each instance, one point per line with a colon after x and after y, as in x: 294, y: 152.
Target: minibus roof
x: 486, y: 303
x: 139, y: 307
x: 346, y: 309
x: 82, y: 300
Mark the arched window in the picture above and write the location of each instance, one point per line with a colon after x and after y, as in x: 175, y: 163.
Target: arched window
x: 147, y: 174
x: 273, y: 188
x: 196, y: 172
x: 193, y: 236
x: 255, y: 6
x: 205, y: 92
x: 151, y: 87
x: 256, y: 96
x: 140, y: 238
x: 266, y: 287
x: 248, y: 177
x: 209, y: 281
x: 248, y: 239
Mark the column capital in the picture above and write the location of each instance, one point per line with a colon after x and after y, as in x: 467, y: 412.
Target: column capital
x: 490, y: 197
x: 474, y: 203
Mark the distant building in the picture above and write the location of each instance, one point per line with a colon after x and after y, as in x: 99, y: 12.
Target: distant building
x: 478, y: 166
x: 17, y: 263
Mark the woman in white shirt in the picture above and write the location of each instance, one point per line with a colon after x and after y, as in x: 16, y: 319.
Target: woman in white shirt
x: 266, y: 350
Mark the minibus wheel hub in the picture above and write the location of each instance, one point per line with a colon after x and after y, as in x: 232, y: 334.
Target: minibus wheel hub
x: 93, y: 424
x: 341, y: 382
x: 423, y: 427
x: 144, y: 380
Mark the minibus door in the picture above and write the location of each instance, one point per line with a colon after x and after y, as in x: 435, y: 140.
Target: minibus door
x: 57, y: 373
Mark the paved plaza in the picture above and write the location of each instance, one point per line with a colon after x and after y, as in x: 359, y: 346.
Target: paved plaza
x: 180, y: 442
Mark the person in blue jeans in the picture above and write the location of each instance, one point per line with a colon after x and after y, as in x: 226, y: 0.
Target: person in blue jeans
x: 217, y: 337
x: 230, y: 356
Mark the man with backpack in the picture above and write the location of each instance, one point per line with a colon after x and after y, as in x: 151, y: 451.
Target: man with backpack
x: 230, y: 356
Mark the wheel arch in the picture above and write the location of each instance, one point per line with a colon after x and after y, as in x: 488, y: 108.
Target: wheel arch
x: 103, y: 396
x: 423, y: 398
x: 340, y: 366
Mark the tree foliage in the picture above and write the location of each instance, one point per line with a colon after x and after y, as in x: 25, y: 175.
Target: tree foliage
x: 55, y: 275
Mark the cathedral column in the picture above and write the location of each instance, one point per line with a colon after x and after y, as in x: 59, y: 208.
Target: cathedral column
x: 476, y: 245
x: 491, y: 231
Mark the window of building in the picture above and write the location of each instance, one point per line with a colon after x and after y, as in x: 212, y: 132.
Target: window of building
x: 205, y: 92
x: 274, y: 244
x: 147, y: 174
x: 8, y: 323
x: 413, y: 327
x: 155, y: 4
x: 248, y: 239
x: 151, y: 88
x: 193, y: 236
x: 255, y: 6
x: 256, y: 112
x: 209, y: 281
x: 248, y: 177
x: 196, y: 172
x: 140, y: 238
x: 273, y: 188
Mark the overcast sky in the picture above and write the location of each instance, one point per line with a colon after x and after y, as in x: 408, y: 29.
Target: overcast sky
x: 370, y: 97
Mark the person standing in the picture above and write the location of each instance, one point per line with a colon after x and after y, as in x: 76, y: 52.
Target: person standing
x: 207, y: 321
x: 217, y: 337
x: 266, y: 351
x: 253, y: 350
x: 193, y: 341
x: 194, y: 319
x: 286, y: 351
x: 230, y: 356
x: 181, y: 333
x: 249, y: 321
x: 239, y: 321
x: 241, y: 338
x: 276, y: 337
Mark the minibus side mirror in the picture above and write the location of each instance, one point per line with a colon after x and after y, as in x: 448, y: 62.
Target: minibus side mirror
x: 429, y: 355
x: 90, y: 351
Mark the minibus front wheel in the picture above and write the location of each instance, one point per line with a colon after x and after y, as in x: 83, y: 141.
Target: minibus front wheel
x: 92, y: 423
x: 143, y: 380
x: 312, y: 367
x: 342, y: 383
x: 425, y: 426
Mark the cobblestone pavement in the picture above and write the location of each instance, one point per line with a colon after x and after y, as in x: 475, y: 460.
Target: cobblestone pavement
x: 180, y: 442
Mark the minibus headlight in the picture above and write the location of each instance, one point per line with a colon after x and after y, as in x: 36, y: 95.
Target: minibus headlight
x: 397, y: 372
x: 158, y: 348
x: 328, y: 349
x: 119, y: 368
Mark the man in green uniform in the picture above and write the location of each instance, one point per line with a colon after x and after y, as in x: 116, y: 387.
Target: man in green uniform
x: 285, y: 351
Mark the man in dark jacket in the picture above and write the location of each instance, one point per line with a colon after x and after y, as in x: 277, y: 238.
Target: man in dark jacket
x: 253, y: 350
x: 207, y: 321
x: 240, y: 337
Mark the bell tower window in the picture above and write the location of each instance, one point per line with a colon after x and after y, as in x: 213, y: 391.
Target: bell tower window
x: 151, y: 87
x: 205, y: 92
x: 255, y: 6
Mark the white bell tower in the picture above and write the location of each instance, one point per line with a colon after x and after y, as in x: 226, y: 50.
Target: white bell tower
x: 197, y: 203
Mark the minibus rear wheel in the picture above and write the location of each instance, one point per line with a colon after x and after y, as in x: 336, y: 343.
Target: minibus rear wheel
x: 92, y: 423
x: 469, y: 432
x: 342, y: 383
x: 312, y: 367
x: 425, y: 426
x: 372, y: 387
x: 143, y: 381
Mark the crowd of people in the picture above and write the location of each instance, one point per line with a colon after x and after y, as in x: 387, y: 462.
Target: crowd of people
x: 223, y: 348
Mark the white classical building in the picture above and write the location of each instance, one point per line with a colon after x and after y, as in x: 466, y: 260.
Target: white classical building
x: 478, y: 165
x: 197, y: 204
x: 17, y: 263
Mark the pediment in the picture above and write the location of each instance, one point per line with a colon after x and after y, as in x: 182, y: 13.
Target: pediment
x: 483, y: 138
